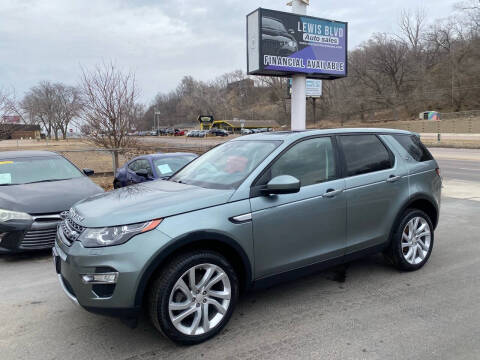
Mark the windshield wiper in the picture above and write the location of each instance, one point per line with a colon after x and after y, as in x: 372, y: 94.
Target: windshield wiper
x: 49, y: 180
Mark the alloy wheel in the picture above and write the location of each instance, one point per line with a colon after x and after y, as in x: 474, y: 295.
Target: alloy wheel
x: 416, y: 240
x: 199, y: 299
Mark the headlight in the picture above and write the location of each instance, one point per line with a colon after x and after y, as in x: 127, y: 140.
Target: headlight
x: 292, y: 44
x: 6, y: 215
x: 115, y: 235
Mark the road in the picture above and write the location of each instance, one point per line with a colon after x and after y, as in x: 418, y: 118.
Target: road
x: 367, y: 310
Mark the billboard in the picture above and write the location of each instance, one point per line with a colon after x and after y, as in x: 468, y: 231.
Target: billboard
x: 313, y: 88
x: 283, y: 44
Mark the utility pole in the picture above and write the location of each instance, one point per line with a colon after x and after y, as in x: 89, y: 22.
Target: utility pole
x: 154, y: 118
x: 299, y: 99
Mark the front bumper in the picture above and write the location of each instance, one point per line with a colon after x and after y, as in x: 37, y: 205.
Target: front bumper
x: 129, y: 260
x: 22, y: 237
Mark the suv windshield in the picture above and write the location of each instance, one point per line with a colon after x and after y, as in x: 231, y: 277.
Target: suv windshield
x: 227, y: 165
x: 38, y: 169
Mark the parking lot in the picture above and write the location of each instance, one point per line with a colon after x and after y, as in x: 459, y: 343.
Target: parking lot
x: 367, y: 310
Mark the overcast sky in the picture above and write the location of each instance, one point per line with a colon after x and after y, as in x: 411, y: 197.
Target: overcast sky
x: 160, y: 40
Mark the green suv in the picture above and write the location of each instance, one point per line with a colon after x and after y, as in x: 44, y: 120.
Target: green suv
x: 251, y: 212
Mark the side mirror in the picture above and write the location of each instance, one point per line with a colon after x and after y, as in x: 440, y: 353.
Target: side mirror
x: 142, y: 172
x: 88, y: 172
x: 282, y: 184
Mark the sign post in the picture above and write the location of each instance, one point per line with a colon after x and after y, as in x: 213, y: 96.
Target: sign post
x: 299, y: 100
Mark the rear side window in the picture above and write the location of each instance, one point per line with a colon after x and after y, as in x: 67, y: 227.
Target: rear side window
x: 414, y: 147
x: 364, y: 154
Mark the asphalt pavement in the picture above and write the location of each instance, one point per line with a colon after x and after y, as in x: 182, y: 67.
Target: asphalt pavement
x: 367, y: 310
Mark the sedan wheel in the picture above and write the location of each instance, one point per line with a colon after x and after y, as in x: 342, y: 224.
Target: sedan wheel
x: 199, y: 299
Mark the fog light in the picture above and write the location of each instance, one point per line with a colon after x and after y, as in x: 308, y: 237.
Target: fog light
x: 106, y: 278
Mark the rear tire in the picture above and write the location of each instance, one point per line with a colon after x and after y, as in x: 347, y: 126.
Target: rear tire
x: 194, y: 296
x: 412, y: 241
x: 117, y: 184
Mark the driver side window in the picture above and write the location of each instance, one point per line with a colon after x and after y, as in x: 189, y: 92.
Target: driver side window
x: 133, y: 166
x: 311, y: 161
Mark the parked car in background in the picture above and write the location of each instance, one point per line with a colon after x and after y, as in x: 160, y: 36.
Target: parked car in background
x: 218, y: 132
x: 193, y: 133
x: 246, y: 132
x: 202, y: 133
x: 248, y: 213
x: 179, y: 132
x: 35, y: 187
x: 151, y: 167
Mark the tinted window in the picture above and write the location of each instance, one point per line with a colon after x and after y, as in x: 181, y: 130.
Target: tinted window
x: 144, y: 164
x: 414, y: 146
x: 140, y: 165
x: 311, y: 161
x: 133, y: 165
x: 364, y: 154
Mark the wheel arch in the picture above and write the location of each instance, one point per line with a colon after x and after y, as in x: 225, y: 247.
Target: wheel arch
x: 423, y: 202
x: 205, y: 240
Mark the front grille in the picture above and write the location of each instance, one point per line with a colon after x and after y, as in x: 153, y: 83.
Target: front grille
x: 39, y: 239
x: 271, y: 47
x: 71, y: 230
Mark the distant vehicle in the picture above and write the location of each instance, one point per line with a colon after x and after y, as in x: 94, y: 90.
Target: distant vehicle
x: 35, y: 187
x: 246, y: 132
x: 151, y: 167
x: 193, y: 133
x: 202, y: 133
x: 218, y: 132
x: 179, y: 132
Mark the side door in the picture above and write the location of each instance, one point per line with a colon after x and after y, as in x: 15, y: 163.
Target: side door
x: 295, y: 230
x: 376, y: 183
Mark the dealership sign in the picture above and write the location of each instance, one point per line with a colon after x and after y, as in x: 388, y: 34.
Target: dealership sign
x: 283, y: 44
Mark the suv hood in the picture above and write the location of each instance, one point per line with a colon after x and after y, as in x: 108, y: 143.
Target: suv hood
x: 146, y: 201
x: 47, y: 197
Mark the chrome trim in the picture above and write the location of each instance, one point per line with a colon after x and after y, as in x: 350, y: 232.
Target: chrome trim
x: 96, y: 282
x: 47, y: 217
x: 70, y: 296
x: 242, y: 218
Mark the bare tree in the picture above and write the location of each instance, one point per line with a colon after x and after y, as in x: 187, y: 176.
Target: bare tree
x: 69, y: 106
x: 110, y: 107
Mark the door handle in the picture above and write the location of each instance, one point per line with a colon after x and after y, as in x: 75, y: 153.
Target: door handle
x: 330, y: 193
x: 393, y: 178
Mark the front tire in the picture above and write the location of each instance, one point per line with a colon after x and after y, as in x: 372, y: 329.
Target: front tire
x: 412, y: 241
x: 194, y: 296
